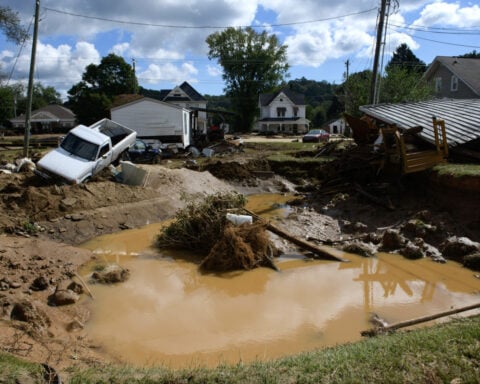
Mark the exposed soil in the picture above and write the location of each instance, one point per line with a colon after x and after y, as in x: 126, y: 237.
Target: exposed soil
x: 42, y: 224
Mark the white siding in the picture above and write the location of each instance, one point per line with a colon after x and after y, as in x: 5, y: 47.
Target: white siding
x: 150, y: 118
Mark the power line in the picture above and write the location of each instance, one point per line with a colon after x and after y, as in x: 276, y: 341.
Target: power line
x: 205, y: 26
x: 443, y: 42
x: 445, y: 31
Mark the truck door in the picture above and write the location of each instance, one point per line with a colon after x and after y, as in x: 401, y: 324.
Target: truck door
x: 104, y: 158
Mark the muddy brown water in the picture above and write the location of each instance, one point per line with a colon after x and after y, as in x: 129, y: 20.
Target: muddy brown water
x: 168, y: 313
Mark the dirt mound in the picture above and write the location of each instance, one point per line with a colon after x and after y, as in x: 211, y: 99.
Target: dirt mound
x: 75, y: 213
x: 229, y: 171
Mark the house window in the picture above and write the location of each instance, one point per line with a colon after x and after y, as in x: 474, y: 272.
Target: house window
x: 281, y: 112
x: 295, y: 111
x: 438, y: 84
x: 454, y: 84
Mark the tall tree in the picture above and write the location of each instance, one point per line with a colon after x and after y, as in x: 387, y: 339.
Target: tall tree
x: 355, y: 91
x: 402, y: 85
x: 10, y: 25
x: 92, y: 97
x: 404, y: 58
x: 253, y: 63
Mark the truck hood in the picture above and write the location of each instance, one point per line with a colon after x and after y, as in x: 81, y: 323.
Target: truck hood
x: 65, y: 165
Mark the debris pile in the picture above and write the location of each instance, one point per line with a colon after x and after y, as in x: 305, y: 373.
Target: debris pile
x: 202, y: 228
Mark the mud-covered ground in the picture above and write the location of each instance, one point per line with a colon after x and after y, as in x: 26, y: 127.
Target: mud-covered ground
x: 41, y: 226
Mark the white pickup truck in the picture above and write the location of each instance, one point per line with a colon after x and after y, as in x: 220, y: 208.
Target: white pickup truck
x: 85, y: 151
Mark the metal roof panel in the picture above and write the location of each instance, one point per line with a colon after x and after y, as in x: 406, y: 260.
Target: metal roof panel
x: 462, y: 117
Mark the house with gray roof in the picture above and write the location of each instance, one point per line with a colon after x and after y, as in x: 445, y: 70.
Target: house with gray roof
x: 52, y: 118
x: 282, y: 112
x: 185, y: 96
x: 455, y: 77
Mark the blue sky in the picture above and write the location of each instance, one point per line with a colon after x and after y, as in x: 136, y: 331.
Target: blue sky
x: 167, y: 37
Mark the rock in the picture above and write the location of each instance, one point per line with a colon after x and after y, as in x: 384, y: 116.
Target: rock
x: 472, y: 261
x: 373, y: 238
x: 358, y: 248
x: 111, y: 274
x: 63, y: 297
x: 69, y: 201
x: 75, y: 325
x: 392, y: 240
x: 39, y: 284
x: 455, y: 248
x: 75, y: 287
x: 77, y: 217
x: 418, y: 228
x: 412, y: 252
x: 356, y: 227
x: 27, y: 312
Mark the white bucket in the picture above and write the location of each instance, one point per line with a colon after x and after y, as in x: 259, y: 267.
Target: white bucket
x: 239, y: 219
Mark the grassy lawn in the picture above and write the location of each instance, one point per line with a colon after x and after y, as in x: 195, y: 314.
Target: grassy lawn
x: 458, y: 170
x: 445, y: 353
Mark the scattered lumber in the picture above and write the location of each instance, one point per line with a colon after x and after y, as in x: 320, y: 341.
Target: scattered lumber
x: 321, y: 251
x: 392, y: 327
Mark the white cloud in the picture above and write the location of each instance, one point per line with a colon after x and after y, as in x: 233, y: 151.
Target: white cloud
x: 60, y: 66
x: 451, y: 14
x: 121, y: 49
x: 168, y: 72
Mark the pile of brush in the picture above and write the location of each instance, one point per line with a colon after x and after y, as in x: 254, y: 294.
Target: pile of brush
x: 202, y: 228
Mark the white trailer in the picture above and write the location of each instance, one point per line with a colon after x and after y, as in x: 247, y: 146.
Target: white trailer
x: 155, y: 120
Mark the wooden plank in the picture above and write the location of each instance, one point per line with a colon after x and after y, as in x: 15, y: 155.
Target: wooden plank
x: 419, y: 320
x: 322, y: 251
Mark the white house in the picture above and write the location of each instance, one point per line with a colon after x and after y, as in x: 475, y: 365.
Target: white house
x: 338, y: 126
x: 157, y: 120
x: 282, y: 112
x: 187, y: 97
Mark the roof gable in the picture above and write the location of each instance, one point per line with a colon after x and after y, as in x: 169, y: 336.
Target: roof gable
x: 50, y: 112
x: 466, y: 69
x: 296, y: 98
x: 183, y: 92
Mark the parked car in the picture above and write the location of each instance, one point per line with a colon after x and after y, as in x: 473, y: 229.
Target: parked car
x: 141, y: 152
x: 315, y: 136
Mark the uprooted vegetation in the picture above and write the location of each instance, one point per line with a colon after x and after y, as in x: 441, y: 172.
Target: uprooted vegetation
x: 203, y: 229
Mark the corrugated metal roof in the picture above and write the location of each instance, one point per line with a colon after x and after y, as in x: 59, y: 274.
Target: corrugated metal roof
x: 462, y: 117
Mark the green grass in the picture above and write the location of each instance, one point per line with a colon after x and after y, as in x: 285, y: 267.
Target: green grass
x: 437, y: 354
x: 14, y: 370
x: 458, y: 170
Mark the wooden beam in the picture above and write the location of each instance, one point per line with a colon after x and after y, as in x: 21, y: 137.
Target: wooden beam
x: 321, y: 251
x: 407, y: 323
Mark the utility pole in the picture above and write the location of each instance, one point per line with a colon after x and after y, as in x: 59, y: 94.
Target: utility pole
x: 28, y: 113
x: 347, y: 65
x: 376, y: 59
x: 134, y: 87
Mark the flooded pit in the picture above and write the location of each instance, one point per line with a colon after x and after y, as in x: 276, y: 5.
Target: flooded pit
x: 167, y: 313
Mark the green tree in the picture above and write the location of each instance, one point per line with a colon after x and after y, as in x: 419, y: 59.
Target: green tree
x: 356, y: 91
x: 92, y: 97
x: 472, y: 55
x: 41, y: 97
x: 402, y: 85
x: 10, y: 25
x: 253, y: 63
x: 404, y: 58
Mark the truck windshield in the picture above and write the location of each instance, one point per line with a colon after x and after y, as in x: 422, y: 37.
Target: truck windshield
x: 79, y: 147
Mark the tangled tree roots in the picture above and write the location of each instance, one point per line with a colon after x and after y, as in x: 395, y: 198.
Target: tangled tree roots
x: 240, y: 247
x: 202, y: 228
